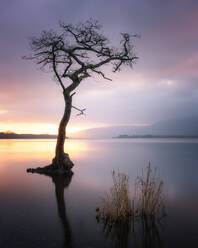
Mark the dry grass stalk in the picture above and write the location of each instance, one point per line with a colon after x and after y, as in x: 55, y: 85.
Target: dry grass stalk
x: 148, y: 194
x: 116, y: 205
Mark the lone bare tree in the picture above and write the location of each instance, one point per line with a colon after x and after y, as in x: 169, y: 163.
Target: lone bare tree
x: 74, y: 54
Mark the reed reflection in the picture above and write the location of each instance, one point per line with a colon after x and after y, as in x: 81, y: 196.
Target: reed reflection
x: 118, y: 233
x: 143, y: 232
x: 147, y: 232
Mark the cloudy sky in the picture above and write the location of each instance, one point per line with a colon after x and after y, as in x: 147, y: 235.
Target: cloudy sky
x: 162, y: 85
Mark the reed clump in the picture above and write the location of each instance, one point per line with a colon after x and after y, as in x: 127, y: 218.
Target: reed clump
x: 116, y: 204
x: 148, y: 197
x: 147, y: 200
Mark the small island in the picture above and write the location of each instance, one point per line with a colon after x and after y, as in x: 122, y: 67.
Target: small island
x: 149, y: 136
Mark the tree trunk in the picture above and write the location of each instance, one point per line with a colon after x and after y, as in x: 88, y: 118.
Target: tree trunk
x: 62, y: 159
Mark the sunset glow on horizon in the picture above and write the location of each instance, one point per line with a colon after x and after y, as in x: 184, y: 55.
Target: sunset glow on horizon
x: 37, y: 128
x: 48, y: 128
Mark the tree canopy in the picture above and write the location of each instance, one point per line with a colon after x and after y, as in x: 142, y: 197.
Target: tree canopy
x: 79, y: 51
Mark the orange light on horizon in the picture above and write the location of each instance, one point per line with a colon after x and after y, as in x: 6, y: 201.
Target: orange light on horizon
x: 37, y: 128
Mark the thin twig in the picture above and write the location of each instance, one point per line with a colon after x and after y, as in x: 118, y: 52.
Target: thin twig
x: 80, y: 110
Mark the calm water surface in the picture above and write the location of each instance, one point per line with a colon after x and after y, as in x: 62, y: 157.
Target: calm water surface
x: 40, y: 211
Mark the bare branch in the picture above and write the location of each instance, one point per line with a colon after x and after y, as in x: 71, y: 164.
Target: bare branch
x: 67, y: 68
x: 79, y: 50
x: 54, y: 68
x: 80, y: 110
x: 102, y: 74
x: 73, y: 94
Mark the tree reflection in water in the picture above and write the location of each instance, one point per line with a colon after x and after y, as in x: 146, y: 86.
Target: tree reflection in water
x: 61, y: 182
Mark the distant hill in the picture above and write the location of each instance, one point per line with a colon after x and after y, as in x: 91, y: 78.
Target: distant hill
x: 149, y: 136
x: 173, y: 127
x: 10, y: 135
x: 179, y: 127
x: 102, y: 132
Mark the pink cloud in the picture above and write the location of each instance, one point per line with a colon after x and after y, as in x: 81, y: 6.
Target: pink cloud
x: 187, y: 67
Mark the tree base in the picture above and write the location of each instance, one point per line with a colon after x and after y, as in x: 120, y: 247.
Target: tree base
x: 62, y: 168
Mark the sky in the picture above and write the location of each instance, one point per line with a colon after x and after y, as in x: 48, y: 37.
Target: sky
x: 162, y: 85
